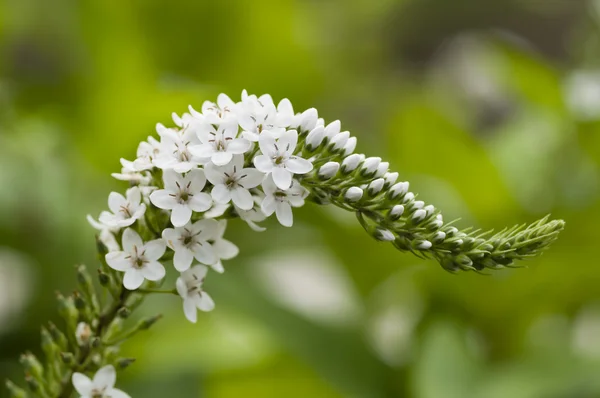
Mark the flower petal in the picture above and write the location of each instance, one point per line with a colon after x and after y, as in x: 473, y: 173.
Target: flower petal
x: 118, y: 261
x: 220, y: 194
x: 282, y: 178
x: 153, y: 271
x: 133, y: 279
x: 206, y: 229
x: 205, y: 254
x: 225, y: 249
x: 196, y: 180
x: 181, y: 287
x: 171, y: 237
x: 181, y: 215
x: 218, y: 267
x: 116, y: 201
x: 266, y: 142
x: 171, y: 178
x: 155, y: 249
x: 163, y: 199
x: 242, y: 198
x: 190, y: 310
x: 116, y: 393
x: 250, y: 178
x: 131, y: 241
x: 182, y: 260
x: 105, y: 377
x: 268, y: 205
x: 221, y: 158
x: 214, y: 174
x: 263, y: 163
x: 239, y: 146
x: 83, y: 385
x: 204, y: 302
x: 298, y: 165
x: 200, y: 202
x: 202, y: 151
x: 134, y: 195
x: 284, y: 214
x: 288, y: 141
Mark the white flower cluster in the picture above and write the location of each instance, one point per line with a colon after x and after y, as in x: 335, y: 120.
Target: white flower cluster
x: 231, y: 159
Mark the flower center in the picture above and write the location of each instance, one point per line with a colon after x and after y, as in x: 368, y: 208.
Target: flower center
x: 125, y: 210
x: 220, y: 145
x: 184, y: 196
x: 188, y: 240
x: 278, y: 160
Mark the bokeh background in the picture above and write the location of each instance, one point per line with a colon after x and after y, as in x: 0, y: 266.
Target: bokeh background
x: 491, y: 108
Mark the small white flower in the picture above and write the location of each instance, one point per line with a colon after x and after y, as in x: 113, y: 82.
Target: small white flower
x: 175, y: 152
x: 125, y: 211
x: 83, y: 333
x: 280, y: 201
x: 232, y: 182
x: 259, y: 114
x: 215, y: 113
x: 278, y: 159
x: 147, y: 151
x: 189, y: 287
x: 191, y: 241
x: 220, y: 144
x: 182, y: 195
x: 138, y: 260
x: 224, y: 249
x: 102, y: 386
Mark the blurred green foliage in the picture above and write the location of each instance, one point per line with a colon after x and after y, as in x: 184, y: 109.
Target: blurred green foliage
x: 471, y: 107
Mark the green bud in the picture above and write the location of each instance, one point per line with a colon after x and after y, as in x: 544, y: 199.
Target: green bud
x: 79, y: 301
x: 96, y: 342
x: 15, y: 391
x: 67, y: 310
x: 59, y: 338
x: 48, y: 345
x: 123, y: 363
x: 145, y: 324
x: 67, y: 358
x: 103, y: 278
x: 87, y: 287
x: 32, y: 366
x: 32, y: 384
x: 124, y: 312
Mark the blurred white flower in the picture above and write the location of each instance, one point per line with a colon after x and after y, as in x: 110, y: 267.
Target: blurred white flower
x: 125, y: 210
x: 102, y: 386
x: 189, y: 287
x: 191, y: 241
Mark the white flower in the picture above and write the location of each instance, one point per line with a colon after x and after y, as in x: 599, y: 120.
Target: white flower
x: 138, y: 260
x: 278, y: 159
x: 125, y: 211
x: 281, y: 201
x: 182, y: 195
x: 189, y: 287
x: 102, y: 386
x: 176, y: 153
x: 191, y: 241
x: 106, y: 235
x: 147, y: 151
x: 220, y: 144
x: 259, y: 114
x: 232, y: 182
x: 83, y: 333
x: 215, y: 113
x: 224, y: 249
x: 255, y: 214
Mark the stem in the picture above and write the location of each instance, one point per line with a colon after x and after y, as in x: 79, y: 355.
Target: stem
x: 152, y: 291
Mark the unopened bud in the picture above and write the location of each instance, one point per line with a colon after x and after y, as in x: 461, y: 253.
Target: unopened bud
x: 59, y: 338
x: 308, y: 119
x: 439, y: 237
x: 32, y: 384
x: 332, y: 129
x: 418, y: 204
x: 32, y: 366
x: 424, y: 245
x: 429, y: 209
x: 419, y: 215
x: 339, y: 140
x: 350, y: 163
x: 353, y: 194
x: 396, y: 212
x: 123, y: 363
x: 399, y: 189
x: 314, y: 138
x: 370, y: 165
x: 375, y: 186
x: 67, y: 358
x: 15, y: 391
x: 83, y: 333
x: 390, y: 178
x: 328, y: 170
x: 384, y: 235
x: 382, y: 169
x: 145, y: 324
x: 350, y: 146
x: 103, y: 278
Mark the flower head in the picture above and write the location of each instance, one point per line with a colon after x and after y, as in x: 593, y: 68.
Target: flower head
x: 125, y: 210
x: 101, y: 386
x: 189, y: 287
x: 138, y: 260
x: 182, y: 195
x: 191, y: 241
x: 232, y: 182
x: 278, y: 158
x: 281, y: 201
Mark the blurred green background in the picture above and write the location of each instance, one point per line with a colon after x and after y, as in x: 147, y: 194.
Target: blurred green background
x: 491, y: 108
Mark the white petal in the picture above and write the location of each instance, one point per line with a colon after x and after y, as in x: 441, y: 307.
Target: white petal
x: 225, y: 249
x: 220, y: 194
x: 214, y: 174
x: 133, y: 279
x: 298, y: 165
x: 242, y: 198
x: 263, y: 163
x: 202, y: 151
x: 196, y: 180
x: 190, y: 310
x: 182, y: 260
x: 116, y: 393
x: 288, y: 140
x: 181, y: 215
x: 266, y: 142
x: 200, y: 202
x: 171, y: 178
x: 163, y: 199
x: 118, y: 261
x: 284, y: 214
x: 205, y: 254
x: 239, y: 146
x: 154, y: 249
x: 181, y: 287
x: 268, y: 205
x: 82, y: 384
x: 171, y: 237
x: 105, y: 377
x: 131, y: 241
x: 134, y: 195
x: 269, y: 186
x: 206, y: 229
x: 218, y: 267
x: 116, y: 201
x: 282, y: 178
x: 205, y: 302
x: 250, y: 178
x: 221, y: 158
x: 153, y: 271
